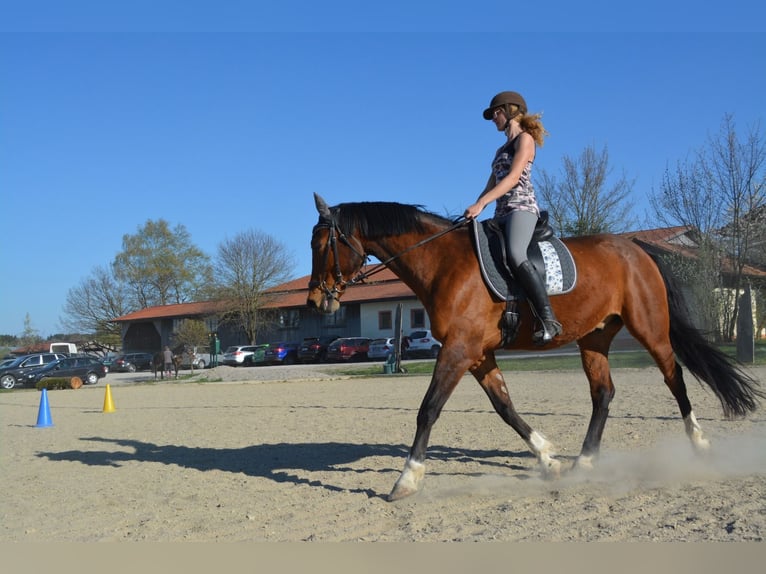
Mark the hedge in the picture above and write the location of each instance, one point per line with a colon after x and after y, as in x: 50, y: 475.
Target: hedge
x: 55, y: 383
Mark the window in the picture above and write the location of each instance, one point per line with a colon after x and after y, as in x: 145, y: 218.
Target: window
x: 417, y: 318
x: 337, y: 319
x: 384, y: 321
x: 289, y: 319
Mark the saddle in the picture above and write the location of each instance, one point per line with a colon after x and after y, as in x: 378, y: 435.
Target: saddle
x: 547, y: 254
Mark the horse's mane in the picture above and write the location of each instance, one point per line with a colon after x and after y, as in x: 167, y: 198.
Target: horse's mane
x: 375, y: 219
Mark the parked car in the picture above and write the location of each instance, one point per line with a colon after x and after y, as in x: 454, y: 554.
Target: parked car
x: 314, y: 349
x: 6, y: 362
x: 89, y: 369
x: 282, y: 353
x: 132, y: 362
x: 381, y: 349
x: 108, y: 360
x: 422, y: 344
x: 348, y: 349
x: 194, y: 359
x: 14, y: 373
x: 238, y: 355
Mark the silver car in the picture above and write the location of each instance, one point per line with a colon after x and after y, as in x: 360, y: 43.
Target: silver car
x: 238, y: 355
x: 421, y: 343
x: 381, y: 349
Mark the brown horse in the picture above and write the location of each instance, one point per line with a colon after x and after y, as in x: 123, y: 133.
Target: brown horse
x: 158, y: 364
x: 618, y: 284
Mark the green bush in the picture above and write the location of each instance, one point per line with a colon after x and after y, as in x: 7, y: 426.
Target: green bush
x: 54, y: 383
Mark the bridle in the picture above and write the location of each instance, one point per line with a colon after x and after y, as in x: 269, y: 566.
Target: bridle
x: 336, y: 235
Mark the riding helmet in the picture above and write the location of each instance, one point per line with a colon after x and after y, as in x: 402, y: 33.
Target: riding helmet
x: 503, y: 99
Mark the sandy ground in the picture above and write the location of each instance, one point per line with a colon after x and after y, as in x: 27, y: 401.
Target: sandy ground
x: 313, y: 460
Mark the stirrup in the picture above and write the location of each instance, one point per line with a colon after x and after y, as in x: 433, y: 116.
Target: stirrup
x: 546, y: 334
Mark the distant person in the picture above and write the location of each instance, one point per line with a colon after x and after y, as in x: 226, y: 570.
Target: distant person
x: 510, y: 188
x: 167, y: 355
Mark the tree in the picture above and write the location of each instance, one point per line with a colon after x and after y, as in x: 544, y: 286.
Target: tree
x: 720, y: 192
x: 91, y: 306
x: 246, y: 266
x: 585, y: 201
x: 160, y: 265
x: 192, y: 333
x: 30, y: 336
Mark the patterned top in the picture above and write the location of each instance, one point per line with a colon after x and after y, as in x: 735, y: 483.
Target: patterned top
x: 522, y: 195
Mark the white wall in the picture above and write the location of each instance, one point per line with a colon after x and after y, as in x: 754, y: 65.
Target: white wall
x: 369, y: 317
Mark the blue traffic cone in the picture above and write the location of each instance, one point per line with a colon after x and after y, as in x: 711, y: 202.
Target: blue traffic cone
x: 44, y: 414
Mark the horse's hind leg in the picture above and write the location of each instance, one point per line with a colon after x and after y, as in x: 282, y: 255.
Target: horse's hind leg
x: 594, y: 353
x: 491, y: 380
x: 661, y: 350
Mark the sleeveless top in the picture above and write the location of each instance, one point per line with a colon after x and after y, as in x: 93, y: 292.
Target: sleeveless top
x: 522, y: 195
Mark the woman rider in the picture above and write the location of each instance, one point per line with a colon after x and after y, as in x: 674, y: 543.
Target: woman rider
x: 510, y: 187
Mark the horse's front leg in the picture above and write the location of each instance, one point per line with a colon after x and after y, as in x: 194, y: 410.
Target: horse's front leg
x: 491, y: 380
x: 449, y: 368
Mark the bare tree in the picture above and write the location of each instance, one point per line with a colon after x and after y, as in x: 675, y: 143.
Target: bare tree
x: 161, y: 265
x: 586, y: 200
x: 737, y: 168
x: 247, y: 265
x: 30, y: 336
x: 719, y: 192
x: 91, y: 306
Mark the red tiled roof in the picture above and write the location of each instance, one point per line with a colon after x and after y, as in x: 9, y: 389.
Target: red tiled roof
x: 380, y: 287
x: 175, y: 310
x: 680, y: 240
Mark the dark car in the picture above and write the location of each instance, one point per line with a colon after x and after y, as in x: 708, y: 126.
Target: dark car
x: 132, y: 362
x: 282, y: 353
x: 314, y: 349
x: 15, y: 372
x: 348, y: 349
x: 88, y: 369
x: 108, y: 360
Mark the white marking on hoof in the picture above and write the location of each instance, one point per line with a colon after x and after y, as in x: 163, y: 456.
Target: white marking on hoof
x: 584, y: 462
x: 409, y: 480
x: 543, y: 449
x: 694, y: 432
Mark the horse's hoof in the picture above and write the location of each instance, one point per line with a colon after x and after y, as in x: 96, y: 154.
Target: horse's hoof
x: 551, y: 470
x: 400, y: 492
x: 584, y: 463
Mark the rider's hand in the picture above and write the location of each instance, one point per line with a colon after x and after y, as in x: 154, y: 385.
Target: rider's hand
x: 473, y: 211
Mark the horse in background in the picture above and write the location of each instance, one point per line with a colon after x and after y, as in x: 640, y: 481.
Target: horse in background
x: 158, y: 364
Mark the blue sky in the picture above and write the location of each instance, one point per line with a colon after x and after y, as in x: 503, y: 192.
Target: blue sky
x: 229, y: 118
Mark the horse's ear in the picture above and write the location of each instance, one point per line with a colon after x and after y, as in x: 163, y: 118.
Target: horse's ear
x: 324, y: 211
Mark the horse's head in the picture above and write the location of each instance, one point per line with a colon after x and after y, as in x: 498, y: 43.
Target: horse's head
x: 336, y: 259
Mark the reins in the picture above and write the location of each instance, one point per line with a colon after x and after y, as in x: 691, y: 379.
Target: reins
x: 457, y: 222
x: 337, y: 234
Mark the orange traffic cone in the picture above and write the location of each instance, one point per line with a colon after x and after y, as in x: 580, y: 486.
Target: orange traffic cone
x: 108, y: 402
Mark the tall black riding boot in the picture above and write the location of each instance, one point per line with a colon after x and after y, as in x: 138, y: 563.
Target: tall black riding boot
x: 538, y: 297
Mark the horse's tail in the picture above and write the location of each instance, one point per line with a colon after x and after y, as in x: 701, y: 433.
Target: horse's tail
x: 738, y: 392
